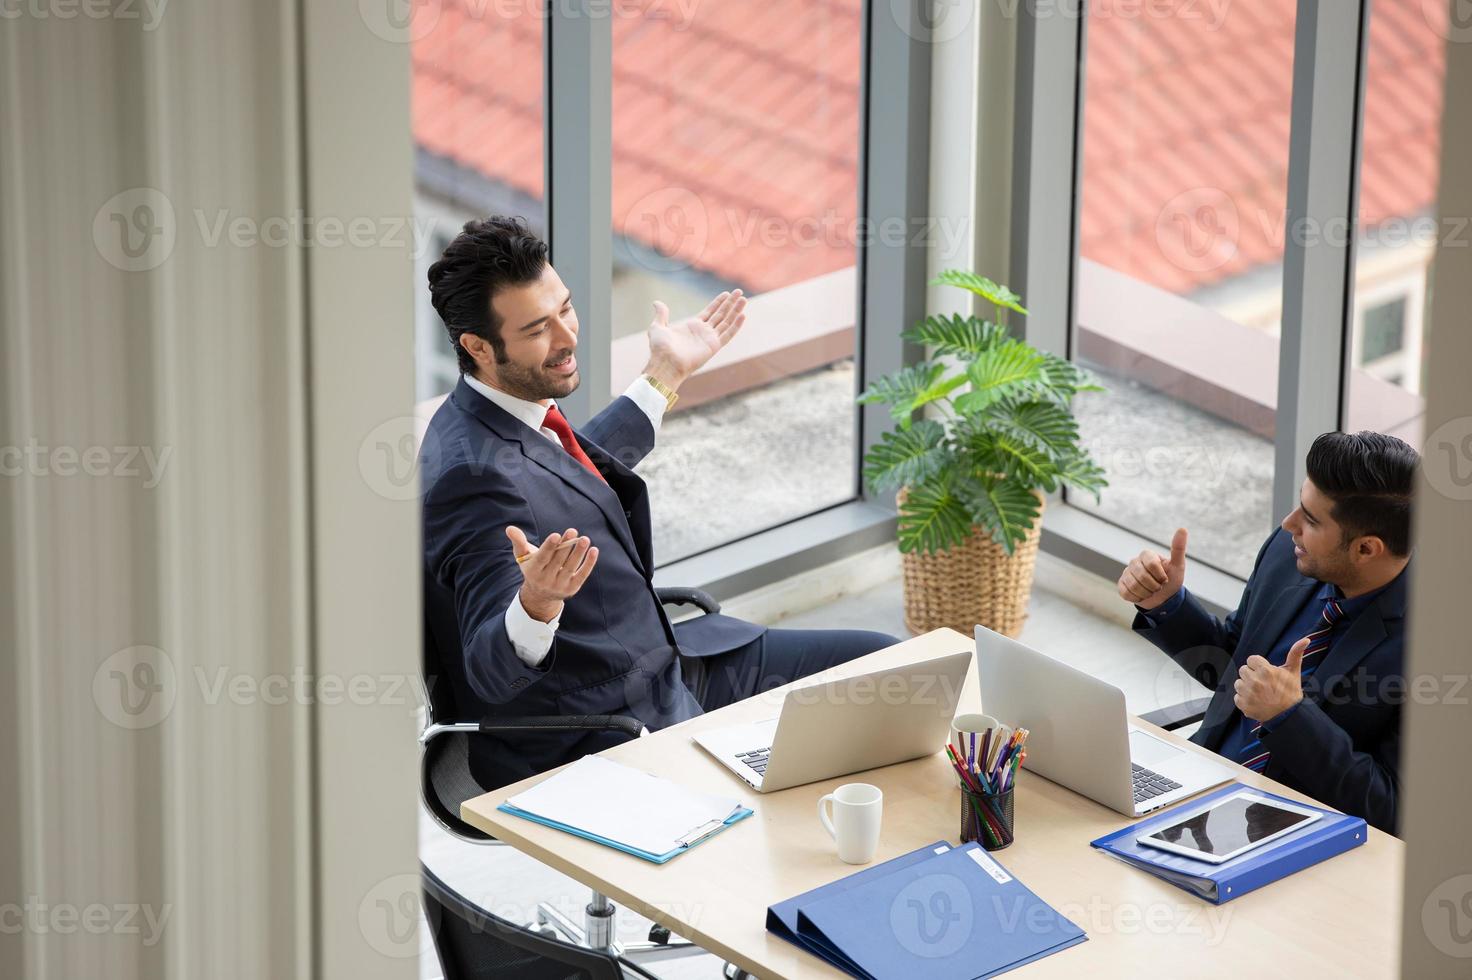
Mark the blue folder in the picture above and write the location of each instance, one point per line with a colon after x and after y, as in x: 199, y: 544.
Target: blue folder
x: 741, y: 813
x: 1333, y: 833
x: 952, y: 915
x: 782, y: 917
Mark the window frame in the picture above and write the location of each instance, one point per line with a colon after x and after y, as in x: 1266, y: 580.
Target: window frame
x: 1318, y: 272
x: 891, y: 277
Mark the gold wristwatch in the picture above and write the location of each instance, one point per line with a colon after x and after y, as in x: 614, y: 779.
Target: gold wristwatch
x: 670, y: 397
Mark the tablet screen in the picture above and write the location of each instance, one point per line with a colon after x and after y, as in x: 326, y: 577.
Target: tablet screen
x: 1230, y: 826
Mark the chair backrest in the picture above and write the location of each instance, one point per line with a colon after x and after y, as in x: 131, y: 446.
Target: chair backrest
x: 473, y: 944
x: 439, y: 698
x: 444, y: 766
x: 445, y: 782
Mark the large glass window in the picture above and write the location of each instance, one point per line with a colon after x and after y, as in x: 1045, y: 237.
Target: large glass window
x: 1397, y: 230
x: 1183, y: 190
x: 735, y: 164
x: 478, y: 141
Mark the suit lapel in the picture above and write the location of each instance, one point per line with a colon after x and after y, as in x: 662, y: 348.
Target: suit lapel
x: 1259, y: 640
x: 1289, y: 604
x: 555, y: 460
x: 1366, y: 633
x: 630, y: 492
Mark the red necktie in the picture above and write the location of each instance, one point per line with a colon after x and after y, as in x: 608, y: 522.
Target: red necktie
x: 558, y: 424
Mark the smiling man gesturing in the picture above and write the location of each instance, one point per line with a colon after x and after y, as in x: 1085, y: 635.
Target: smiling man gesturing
x: 537, y: 538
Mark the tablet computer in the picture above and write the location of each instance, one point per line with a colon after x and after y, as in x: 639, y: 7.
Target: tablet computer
x: 1231, y: 826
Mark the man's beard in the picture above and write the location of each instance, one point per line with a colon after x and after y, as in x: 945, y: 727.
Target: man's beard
x: 1324, y: 569
x: 534, y: 384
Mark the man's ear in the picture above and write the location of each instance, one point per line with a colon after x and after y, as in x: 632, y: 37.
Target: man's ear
x: 474, y: 346
x: 1368, y: 547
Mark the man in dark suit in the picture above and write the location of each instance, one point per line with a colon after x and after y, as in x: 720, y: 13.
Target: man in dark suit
x: 1308, y: 670
x: 538, y: 562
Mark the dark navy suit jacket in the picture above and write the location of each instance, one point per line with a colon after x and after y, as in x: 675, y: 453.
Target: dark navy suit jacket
x: 615, y: 651
x: 1342, y: 744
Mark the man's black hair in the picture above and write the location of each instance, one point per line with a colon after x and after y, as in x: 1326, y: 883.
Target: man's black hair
x: 1369, y: 477
x: 487, y: 255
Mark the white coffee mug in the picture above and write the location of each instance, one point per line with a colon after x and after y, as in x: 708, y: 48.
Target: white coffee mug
x: 962, y: 727
x: 857, y: 810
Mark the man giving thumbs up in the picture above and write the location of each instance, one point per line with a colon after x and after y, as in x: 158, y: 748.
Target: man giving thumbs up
x: 1307, y: 673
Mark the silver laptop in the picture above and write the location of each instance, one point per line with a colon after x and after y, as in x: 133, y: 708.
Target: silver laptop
x: 1079, y: 734
x: 835, y: 727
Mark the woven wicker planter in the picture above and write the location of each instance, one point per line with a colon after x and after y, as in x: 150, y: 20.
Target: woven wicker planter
x: 974, y: 582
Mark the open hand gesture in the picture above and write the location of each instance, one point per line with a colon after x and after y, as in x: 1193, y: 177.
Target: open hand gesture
x: 678, y: 350
x: 552, y: 571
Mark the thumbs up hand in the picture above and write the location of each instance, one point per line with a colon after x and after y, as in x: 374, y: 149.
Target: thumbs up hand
x: 1264, y: 691
x: 1150, y: 579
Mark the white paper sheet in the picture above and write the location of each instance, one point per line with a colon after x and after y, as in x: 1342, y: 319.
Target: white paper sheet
x: 622, y: 804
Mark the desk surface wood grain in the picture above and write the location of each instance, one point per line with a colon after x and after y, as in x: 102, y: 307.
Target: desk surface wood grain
x: 1339, y: 918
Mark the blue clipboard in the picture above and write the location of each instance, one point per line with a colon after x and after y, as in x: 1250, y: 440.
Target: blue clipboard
x: 741, y: 813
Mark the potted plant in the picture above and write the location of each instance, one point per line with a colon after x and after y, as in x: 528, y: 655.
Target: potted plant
x: 999, y: 432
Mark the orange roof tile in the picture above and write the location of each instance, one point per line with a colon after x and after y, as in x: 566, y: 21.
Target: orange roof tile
x: 753, y: 108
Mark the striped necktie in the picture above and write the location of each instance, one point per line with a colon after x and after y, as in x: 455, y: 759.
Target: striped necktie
x: 1254, y: 756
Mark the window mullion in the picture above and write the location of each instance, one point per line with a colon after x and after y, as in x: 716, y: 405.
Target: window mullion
x: 579, y: 186
x: 1318, y: 259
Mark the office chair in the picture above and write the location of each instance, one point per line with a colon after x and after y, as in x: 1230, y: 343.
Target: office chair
x: 473, y: 944
x: 445, y: 781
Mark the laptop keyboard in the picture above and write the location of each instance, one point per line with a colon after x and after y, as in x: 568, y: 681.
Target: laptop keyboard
x: 756, y: 759
x: 1149, y: 784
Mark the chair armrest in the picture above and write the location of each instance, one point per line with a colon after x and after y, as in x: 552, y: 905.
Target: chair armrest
x: 531, y: 723
x: 1178, y: 715
x: 563, y: 723
x: 681, y: 596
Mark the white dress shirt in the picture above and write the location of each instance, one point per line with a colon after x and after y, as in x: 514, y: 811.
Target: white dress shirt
x: 532, y: 638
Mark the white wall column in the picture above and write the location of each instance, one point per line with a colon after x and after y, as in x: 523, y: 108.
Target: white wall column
x: 183, y: 562
x: 1437, y: 926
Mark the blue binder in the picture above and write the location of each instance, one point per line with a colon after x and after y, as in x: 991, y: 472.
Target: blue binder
x: 952, y: 915
x: 1333, y: 833
x: 782, y: 917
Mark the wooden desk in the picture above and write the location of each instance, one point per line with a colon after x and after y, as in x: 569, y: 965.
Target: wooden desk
x: 1340, y: 918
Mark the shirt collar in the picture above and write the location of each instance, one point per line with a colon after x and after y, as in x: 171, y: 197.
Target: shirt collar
x: 531, y: 414
x: 1349, y: 608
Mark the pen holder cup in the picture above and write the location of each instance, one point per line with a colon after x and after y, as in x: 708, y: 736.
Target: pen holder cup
x: 987, y: 818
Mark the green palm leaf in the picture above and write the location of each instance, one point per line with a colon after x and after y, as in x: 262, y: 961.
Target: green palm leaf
x: 911, y: 388
x: 1080, y: 471
x: 932, y: 518
x: 1009, y: 364
x: 1013, y: 455
x: 1008, y: 511
x: 964, y: 336
x: 1062, y: 379
x: 1047, y: 425
x: 982, y: 286
x: 907, y: 457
